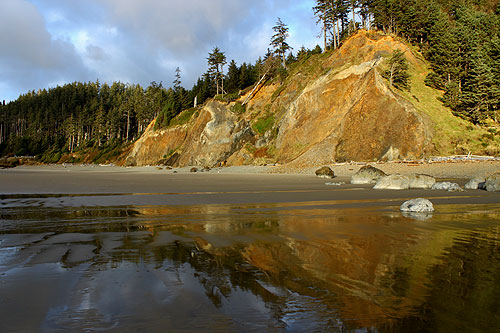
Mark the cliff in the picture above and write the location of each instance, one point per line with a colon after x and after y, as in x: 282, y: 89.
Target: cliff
x: 332, y: 107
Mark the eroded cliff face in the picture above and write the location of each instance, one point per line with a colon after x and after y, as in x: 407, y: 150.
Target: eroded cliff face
x: 333, y: 108
x: 208, y: 139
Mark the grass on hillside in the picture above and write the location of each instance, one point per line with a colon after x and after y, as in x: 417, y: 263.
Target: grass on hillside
x: 182, y: 118
x: 452, y: 135
x: 264, y: 124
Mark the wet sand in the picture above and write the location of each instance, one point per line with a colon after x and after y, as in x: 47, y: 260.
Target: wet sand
x: 237, y: 249
x: 86, y: 186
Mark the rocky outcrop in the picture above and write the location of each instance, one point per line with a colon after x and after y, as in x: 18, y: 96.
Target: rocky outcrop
x: 421, y: 181
x: 325, y: 172
x: 333, y: 109
x: 476, y: 183
x: 350, y: 114
x: 493, y: 183
x: 367, y: 175
x: 393, y: 182
x: 209, y: 139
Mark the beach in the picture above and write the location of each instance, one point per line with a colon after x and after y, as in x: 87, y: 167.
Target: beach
x: 244, y: 249
x: 237, y: 184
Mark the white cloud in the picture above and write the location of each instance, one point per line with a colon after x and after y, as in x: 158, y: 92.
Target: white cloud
x: 30, y: 57
x: 136, y: 41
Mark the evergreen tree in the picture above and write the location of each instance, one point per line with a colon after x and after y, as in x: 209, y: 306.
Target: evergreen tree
x: 177, y: 81
x: 398, y: 70
x: 478, y: 100
x: 233, y: 77
x: 278, y: 40
x: 323, y: 10
x: 216, y: 61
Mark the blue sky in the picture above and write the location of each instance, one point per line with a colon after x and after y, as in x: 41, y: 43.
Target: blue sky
x: 45, y: 43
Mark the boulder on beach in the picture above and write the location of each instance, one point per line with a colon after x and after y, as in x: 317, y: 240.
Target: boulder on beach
x: 367, y: 175
x: 476, y: 183
x: 418, y: 205
x: 493, y: 183
x: 193, y: 169
x: 421, y: 181
x: 325, y: 172
x: 447, y: 186
x: 393, y: 182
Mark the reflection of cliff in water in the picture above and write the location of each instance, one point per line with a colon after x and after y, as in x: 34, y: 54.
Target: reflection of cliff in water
x: 364, y: 268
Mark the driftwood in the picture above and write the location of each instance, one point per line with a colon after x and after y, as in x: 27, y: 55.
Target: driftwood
x: 460, y: 158
x: 249, y: 97
x: 432, y: 159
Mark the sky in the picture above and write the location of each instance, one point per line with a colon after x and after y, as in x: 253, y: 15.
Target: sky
x: 46, y: 43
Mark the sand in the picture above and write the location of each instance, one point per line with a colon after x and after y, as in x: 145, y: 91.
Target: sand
x: 111, y: 185
x: 112, y: 248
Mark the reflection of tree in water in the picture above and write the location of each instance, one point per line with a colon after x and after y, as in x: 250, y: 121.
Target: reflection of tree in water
x: 296, y: 265
x: 225, y: 270
x: 464, y: 290
x: 81, y: 219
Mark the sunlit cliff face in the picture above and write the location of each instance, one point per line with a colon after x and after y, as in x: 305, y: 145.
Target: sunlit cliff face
x: 330, y: 108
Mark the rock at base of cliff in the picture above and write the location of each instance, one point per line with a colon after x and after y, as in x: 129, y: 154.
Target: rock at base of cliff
x: 130, y: 161
x: 493, y: 183
x: 418, y: 205
x: 447, y: 186
x: 367, y: 175
x: 393, y: 182
x: 421, y: 181
x: 325, y: 172
x: 193, y: 169
x: 476, y: 183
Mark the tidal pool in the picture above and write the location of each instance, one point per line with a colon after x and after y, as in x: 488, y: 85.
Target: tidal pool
x: 297, y: 267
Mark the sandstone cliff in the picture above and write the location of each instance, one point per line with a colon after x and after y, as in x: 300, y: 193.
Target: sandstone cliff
x: 332, y: 107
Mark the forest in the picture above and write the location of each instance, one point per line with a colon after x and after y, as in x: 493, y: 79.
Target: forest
x: 460, y: 39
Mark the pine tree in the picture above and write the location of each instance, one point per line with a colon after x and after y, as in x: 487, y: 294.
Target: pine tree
x: 233, y: 77
x: 494, y: 55
x: 478, y: 100
x: 398, y: 70
x: 216, y: 61
x: 278, y: 40
x: 323, y: 11
x: 177, y: 81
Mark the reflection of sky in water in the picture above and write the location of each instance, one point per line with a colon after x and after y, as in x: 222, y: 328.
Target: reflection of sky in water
x: 7, y: 253
x: 248, y: 267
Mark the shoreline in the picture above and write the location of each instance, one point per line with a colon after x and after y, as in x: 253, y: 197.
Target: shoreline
x: 438, y: 169
x: 79, y: 186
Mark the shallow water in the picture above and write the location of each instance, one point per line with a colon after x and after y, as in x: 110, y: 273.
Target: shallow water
x: 94, y: 263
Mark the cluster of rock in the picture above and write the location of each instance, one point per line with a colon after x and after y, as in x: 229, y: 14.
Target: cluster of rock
x: 491, y: 183
x: 420, y: 209
x: 195, y: 169
x: 371, y: 175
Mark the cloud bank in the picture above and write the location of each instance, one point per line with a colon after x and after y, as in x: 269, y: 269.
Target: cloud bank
x: 51, y: 42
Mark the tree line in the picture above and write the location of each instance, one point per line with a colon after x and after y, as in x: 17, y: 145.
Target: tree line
x: 82, y: 115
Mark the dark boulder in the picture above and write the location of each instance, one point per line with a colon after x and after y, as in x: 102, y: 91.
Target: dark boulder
x: 325, y: 172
